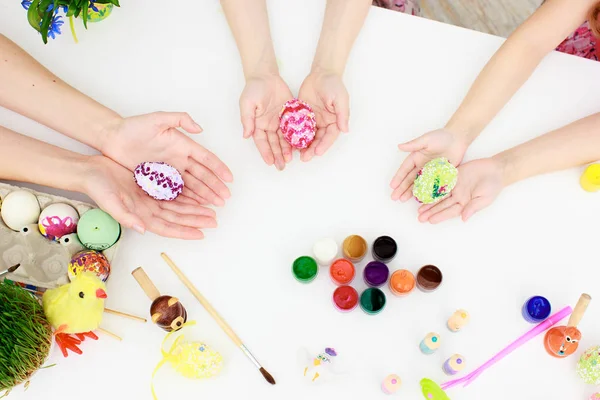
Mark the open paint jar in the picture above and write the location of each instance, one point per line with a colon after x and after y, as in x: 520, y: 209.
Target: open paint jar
x: 402, y: 282
x: 342, y: 272
x: 536, y: 309
x: 384, y: 249
x: 376, y: 274
x: 429, y: 278
x: 305, y: 269
x: 354, y: 248
x: 372, y: 301
x: 345, y: 298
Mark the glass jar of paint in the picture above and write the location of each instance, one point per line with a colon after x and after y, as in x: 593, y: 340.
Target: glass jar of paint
x: 384, y: 249
x: 372, y: 301
x: 429, y: 278
x: 342, y: 272
x: 536, y: 309
x: 402, y: 282
x: 376, y: 274
x: 345, y: 298
x: 305, y: 269
x: 354, y: 248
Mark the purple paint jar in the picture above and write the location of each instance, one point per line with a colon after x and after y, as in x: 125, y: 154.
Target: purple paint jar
x: 376, y: 274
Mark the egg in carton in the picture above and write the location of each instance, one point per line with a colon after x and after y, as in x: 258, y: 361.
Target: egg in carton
x: 44, y: 262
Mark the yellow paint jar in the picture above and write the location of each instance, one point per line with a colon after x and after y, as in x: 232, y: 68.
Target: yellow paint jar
x: 590, y: 179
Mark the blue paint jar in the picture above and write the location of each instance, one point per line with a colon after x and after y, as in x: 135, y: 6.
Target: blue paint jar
x: 536, y: 309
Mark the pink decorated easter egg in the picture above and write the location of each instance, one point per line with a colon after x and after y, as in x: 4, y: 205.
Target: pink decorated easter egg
x: 160, y: 180
x: 297, y: 123
x: 58, y: 220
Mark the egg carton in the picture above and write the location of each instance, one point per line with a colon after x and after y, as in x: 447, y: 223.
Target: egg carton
x: 52, y: 258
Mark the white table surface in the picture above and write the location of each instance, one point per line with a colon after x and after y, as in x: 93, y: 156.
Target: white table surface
x: 406, y: 76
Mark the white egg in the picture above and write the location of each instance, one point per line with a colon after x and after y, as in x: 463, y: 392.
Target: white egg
x: 57, y: 220
x: 20, y: 208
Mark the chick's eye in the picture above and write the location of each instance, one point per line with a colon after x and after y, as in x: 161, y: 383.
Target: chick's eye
x: 81, y: 294
x: 569, y: 339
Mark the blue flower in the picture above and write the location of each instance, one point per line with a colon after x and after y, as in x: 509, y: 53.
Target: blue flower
x: 55, y: 25
x: 26, y: 4
x: 93, y: 6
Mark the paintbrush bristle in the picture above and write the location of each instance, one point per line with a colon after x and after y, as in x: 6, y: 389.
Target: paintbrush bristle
x: 267, y: 376
x: 13, y: 268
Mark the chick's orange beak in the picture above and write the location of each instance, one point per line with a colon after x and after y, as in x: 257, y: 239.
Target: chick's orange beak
x: 101, y: 294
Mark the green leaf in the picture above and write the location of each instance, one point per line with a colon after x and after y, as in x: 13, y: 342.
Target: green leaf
x: 85, y: 14
x: 33, y: 15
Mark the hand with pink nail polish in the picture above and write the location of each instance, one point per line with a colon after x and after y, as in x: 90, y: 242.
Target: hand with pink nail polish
x: 440, y: 143
x: 156, y: 137
x: 326, y: 94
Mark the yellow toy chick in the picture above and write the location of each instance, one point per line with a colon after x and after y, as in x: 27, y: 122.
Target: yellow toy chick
x: 75, y: 308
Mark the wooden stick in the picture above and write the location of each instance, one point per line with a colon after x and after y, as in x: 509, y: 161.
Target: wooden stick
x: 124, y: 315
x: 209, y: 308
x: 146, y: 284
x: 112, y: 335
x: 579, y: 310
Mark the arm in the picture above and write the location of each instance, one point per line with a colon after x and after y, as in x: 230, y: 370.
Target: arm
x: 324, y: 88
x: 481, y: 181
x: 514, y: 63
x: 573, y: 145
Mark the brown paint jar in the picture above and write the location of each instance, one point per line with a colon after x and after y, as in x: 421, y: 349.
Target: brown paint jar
x: 355, y: 248
x: 429, y: 278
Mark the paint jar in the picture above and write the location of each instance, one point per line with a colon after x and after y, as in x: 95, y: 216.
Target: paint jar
x: 430, y: 344
x: 458, y: 320
x: 305, y: 269
x: 376, y: 274
x: 402, y: 282
x: 325, y: 251
x: 342, y: 272
x: 536, y: 309
x: 454, y: 365
x: 345, y: 298
x: 590, y: 179
x: 354, y: 248
x: 391, y: 384
x: 372, y: 301
x: 429, y: 278
x: 384, y: 249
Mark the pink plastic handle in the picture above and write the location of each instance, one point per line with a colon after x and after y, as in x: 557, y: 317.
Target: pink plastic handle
x: 539, y: 329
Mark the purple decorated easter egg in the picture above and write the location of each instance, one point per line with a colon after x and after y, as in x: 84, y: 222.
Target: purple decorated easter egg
x: 297, y: 123
x: 89, y: 261
x: 160, y: 180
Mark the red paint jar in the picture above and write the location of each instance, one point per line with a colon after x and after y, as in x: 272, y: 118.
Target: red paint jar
x: 345, y: 298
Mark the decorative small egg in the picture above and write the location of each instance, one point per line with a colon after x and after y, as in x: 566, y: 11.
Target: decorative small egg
x: 57, y: 220
x: 97, y: 230
x: 159, y: 180
x: 89, y: 261
x: 432, y: 391
x: 595, y: 396
x: 391, y: 384
x: 20, y: 208
x: 435, y: 181
x: 298, y: 124
x: 588, y: 367
x: 458, y: 320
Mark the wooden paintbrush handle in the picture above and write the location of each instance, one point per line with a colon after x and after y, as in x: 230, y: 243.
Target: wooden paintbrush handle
x: 213, y: 313
x: 579, y: 310
x: 145, y: 283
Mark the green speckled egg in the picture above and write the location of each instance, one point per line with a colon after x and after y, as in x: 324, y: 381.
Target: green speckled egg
x: 588, y: 367
x: 435, y: 181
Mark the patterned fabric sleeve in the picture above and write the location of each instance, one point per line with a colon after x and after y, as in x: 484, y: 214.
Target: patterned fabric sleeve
x: 406, y: 6
x: 581, y: 43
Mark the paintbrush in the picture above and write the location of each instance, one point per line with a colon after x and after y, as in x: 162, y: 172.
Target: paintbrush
x: 10, y: 270
x: 220, y: 321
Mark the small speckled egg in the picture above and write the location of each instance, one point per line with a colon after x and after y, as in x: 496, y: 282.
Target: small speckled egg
x: 435, y: 181
x: 391, y: 384
x: 89, y: 261
x: 298, y: 124
x: 20, y: 208
x: 57, y: 220
x: 97, y: 230
x: 159, y: 180
x: 588, y: 367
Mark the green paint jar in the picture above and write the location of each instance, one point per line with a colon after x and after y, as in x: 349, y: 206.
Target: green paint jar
x: 305, y: 269
x: 372, y: 301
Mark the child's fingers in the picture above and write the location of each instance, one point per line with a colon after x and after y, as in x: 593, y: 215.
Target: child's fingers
x: 342, y: 112
x: 331, y: 134
x: 263, y: 146
x: 407, y: 183
x: 202, y: 190
x: 475, y: 205
x: 308, y: 153
x: 209, y: 178
x: 414, y: 145
x: 248, y: 115
x: 276, y: 149
x: 405, y: 168
x: 285, y: 147
x: 449, y: 213
x: 437, y: 208
x: 408, y: 194
x: 209, y: 160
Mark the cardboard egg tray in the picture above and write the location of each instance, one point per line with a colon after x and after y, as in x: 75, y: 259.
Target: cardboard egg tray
x: 15, y: 248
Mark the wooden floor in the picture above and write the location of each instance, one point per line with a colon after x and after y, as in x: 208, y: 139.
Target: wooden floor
x: 499, y: 17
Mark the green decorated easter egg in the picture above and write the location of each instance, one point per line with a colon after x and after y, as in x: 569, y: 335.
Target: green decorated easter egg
x: 435, y: 181
x: 97, y: 230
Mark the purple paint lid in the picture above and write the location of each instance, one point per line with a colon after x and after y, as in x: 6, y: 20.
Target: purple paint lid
x: 376, y: 274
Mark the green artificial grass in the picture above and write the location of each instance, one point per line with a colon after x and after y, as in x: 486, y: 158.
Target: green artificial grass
x: 25, y: 336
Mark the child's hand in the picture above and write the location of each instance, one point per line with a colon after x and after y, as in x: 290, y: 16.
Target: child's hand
x: 440, y: 143
x: 260, y: 105
x: 327, y: 95
x: 112, y: 187
x: 479, y: 183
x: 155, y: 137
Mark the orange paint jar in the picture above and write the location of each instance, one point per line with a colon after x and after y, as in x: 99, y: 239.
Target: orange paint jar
x: 342, y: 272
x: 402, y: 282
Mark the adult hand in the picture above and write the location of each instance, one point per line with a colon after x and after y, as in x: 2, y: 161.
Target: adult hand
x: 111, y: 186
x: 439, y: 143
x: 326, y: 94
x: 479, y: 183
x: 155, y: 137
x: 260, y: 105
